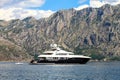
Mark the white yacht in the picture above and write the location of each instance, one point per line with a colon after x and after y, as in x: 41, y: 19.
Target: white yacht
x: 58, y: 56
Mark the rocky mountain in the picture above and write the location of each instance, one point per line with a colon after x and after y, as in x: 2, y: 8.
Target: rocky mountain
x: 10, y: 51
x: 92, y: 31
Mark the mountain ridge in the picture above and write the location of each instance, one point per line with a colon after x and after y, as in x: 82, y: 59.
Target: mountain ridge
x: 81, y: 31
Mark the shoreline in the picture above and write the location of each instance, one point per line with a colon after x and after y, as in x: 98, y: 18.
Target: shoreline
x: 30, y: 60
x: 16, y: 61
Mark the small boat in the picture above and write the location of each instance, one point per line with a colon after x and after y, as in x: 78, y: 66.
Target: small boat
x: 58, y: 56
x: 19, y: 63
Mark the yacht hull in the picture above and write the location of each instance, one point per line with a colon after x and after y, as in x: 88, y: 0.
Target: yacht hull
x: 66, y: 61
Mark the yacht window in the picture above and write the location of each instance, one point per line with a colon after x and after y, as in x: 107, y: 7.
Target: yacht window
x: 47, y: 53
x: 61, y: 54
x: 70, y: 54
x: 55, y: 57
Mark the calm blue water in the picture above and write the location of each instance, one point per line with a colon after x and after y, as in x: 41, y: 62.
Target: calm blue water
x: 89, y: 71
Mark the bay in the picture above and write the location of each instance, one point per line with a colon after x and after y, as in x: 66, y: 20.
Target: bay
x: 89, y: 71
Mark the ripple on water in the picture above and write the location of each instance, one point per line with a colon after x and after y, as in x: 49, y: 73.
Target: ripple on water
x: 90, y: 71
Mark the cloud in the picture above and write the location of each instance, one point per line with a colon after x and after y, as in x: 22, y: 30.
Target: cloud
x: 19, y: 9
x: 99, y: 3
x: 96, y: 3
x: 81, y: 7
x: 3, y: 2
x: 21, y: 3
x: 112, y: 2
x: 30, y: 3
x: 20, y: 13
x: 82, y: 1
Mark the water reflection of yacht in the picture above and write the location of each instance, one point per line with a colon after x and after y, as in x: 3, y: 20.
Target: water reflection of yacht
x: 58, y: 56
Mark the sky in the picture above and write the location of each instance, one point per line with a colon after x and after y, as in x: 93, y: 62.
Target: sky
x: 20, y: 9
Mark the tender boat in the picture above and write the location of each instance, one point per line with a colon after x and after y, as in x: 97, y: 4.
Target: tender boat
x: 58, y: 56
x: 19, y: 63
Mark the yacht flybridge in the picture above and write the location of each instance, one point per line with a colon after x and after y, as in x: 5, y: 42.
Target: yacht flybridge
x: 58, y: 56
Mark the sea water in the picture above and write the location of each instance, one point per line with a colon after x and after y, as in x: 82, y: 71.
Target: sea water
x: 89, y: 71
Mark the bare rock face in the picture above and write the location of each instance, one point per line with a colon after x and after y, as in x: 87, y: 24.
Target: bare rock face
x: 11, y: 51
x: 83, y: 31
